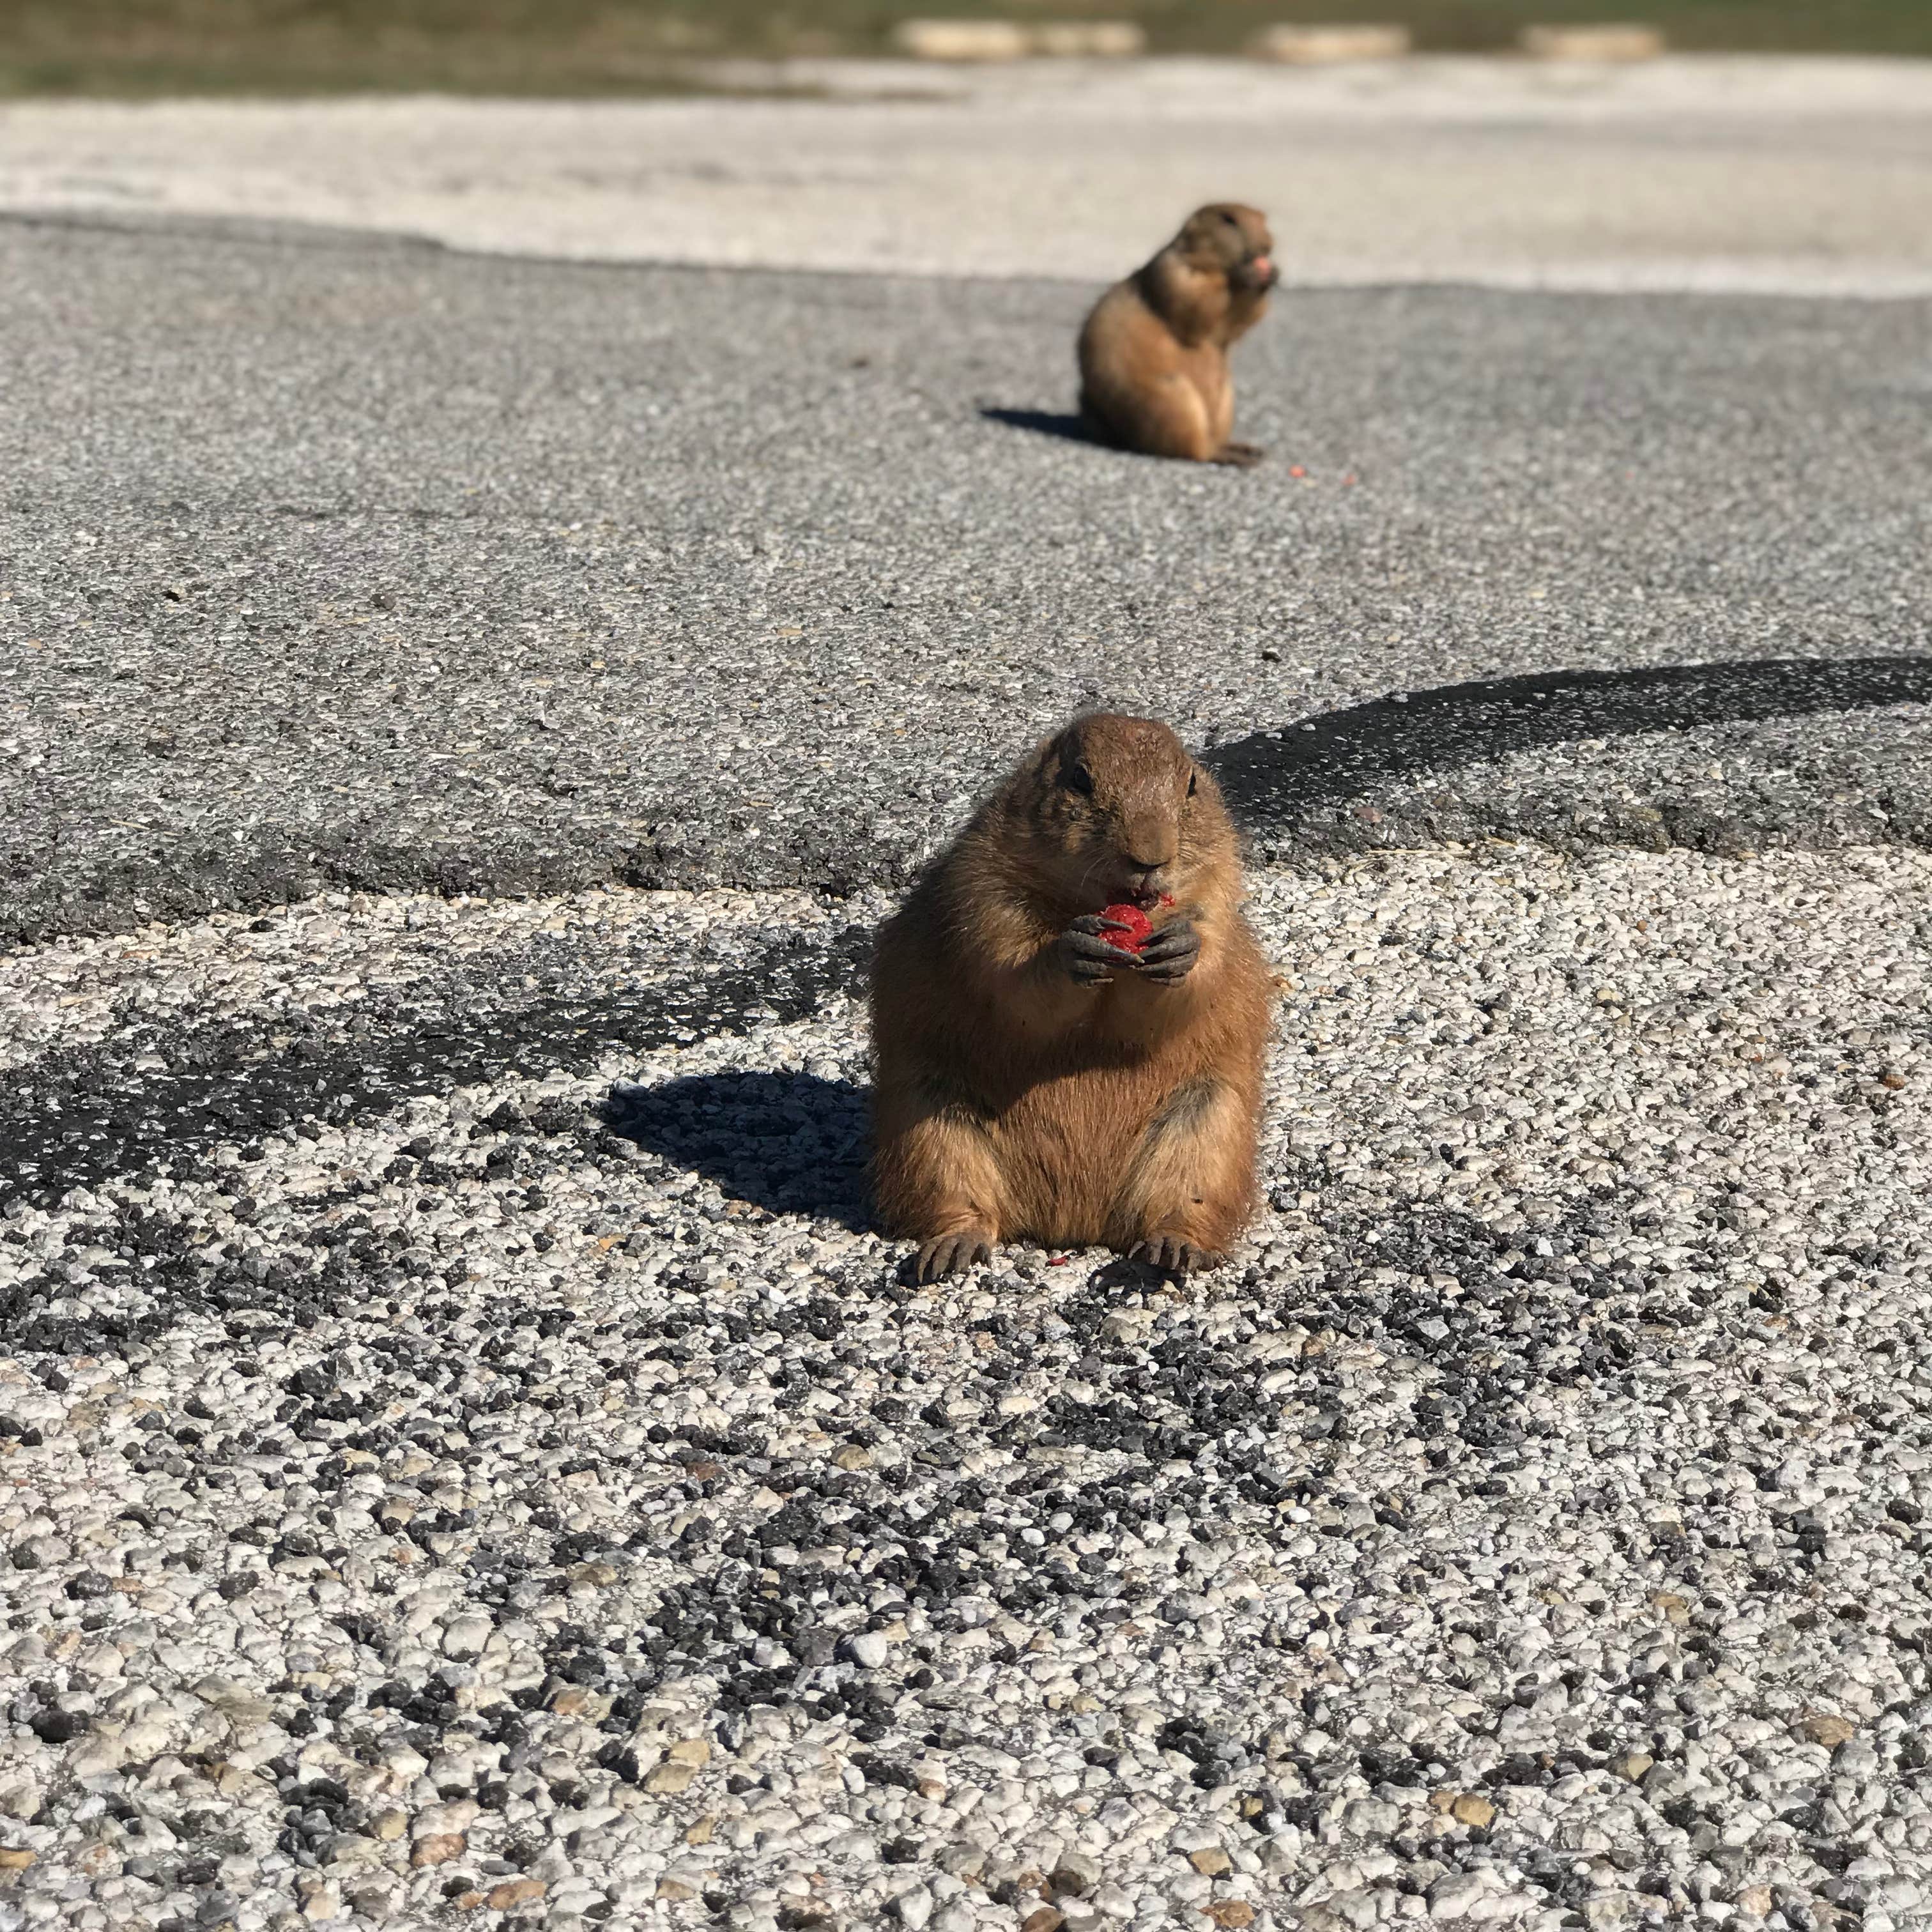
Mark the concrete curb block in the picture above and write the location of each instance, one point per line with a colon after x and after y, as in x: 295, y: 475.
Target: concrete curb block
x: 984, y: 40
x: 1325, y: 46
x: 1606, y: 46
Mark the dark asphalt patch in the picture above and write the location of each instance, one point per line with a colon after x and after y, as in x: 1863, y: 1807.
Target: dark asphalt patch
x: 1271, y: 779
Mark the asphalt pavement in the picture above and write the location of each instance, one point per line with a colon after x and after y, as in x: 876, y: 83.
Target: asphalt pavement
x: 342, y: 561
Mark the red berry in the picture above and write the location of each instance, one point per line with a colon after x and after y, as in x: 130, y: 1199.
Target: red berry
x: 1139, y: 927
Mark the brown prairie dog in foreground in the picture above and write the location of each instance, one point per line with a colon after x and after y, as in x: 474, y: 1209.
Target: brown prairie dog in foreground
x: 1033, y: 1079
x: 1153, y: 353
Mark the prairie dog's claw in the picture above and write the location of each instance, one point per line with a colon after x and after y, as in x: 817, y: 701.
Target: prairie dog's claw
x: 1089, y: 956
x: 952, y: 1254
x: 1174, y: 1254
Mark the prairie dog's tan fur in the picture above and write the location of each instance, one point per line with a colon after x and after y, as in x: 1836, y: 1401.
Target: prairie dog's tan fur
x: 1031, y: 1080
x: 1153, y: 353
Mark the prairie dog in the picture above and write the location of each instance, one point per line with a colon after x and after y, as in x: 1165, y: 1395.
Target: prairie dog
x: 1036, y: 1079
x: 1153, y: 352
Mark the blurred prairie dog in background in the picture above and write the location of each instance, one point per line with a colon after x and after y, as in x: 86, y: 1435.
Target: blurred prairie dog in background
x: 1153, y: 352
x: 1069, y: 1014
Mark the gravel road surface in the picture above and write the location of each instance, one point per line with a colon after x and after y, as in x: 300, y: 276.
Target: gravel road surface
x: 468, y: 1460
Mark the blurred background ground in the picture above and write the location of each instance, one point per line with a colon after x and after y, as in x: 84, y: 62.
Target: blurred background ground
x: 148, y: 47
x: 1756, y: 174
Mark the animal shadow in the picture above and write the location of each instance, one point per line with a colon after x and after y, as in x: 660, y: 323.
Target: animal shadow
x: 789, y: 1143
x: 1041, y: 422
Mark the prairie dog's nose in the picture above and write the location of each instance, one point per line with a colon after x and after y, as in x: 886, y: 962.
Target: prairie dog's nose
x: 1147, y: 839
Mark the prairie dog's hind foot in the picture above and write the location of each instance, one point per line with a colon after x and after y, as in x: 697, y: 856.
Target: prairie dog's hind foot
x: 952, y: 1254
x: 1238, y: 455
x: 1175, y: 1254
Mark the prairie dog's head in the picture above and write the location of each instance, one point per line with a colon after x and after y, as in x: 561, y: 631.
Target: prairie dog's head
x: 1226, y: 238
x: 1117, y: 813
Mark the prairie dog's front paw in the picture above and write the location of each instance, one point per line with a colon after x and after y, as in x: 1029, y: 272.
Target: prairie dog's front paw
x: 1088, y: 956
x: 1170, y: 955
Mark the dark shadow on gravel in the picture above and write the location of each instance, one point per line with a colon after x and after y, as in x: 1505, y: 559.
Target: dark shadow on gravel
x: 789, y: 1143
x: 81, y: 1116
x: 1042, y: 422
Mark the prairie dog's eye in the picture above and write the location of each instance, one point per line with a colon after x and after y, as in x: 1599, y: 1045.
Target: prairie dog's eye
x: 1232, y: 220
x: 1077, y: 777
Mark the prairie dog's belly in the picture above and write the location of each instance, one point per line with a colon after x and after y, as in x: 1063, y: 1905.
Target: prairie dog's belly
x: 1206, y: 367
x: 1066, y: 1145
